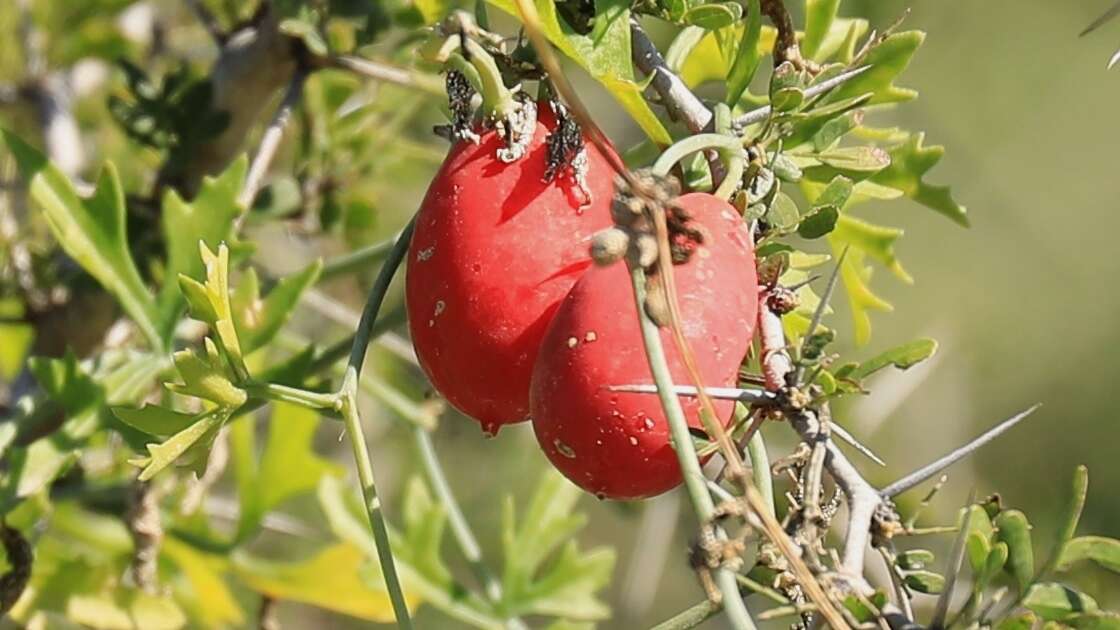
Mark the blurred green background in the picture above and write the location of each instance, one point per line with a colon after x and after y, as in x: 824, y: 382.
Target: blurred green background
x: 1024, y: 303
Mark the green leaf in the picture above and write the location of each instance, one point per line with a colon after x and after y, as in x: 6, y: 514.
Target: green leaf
x: 1101, y: 550
x: 915, y: 559
x: 855, y: 160
x: 340, y: 578
x: 978, y: 541
x: 213, y: 602
x: 32, y: 468
x: 783, y: 213
x: 91, y: 231
x: 856, y: 275
x: 997, y: 559
x: 819, y: 223
x: 154, y: 420
x: 207, y: 219
x: 1053, y: 601
x: 819, y: 15
x: 747, y: 55
x: 257, y: 321
x: 202, y: 431
x: 887, y: 60
x: 909, y: 163
x: 1022, y: 621
x: 876, y: 240
x: 902, y: 357
x: 713, y: 16
x: 1013, y: 529
x: 125, y: 610
x: 210, y: 302
x: 204, y: 376
x: 69, y: 386
x: 15, y: 338
x: 566, y: 586
x: 604, y: 53
x: 288, y: 466
x: 1097, y: 620
x: 836, y: 194
x: 424, y: 525
x: 925, y: 582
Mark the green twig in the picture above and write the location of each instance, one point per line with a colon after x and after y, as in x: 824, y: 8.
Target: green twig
x: 694, y: 479
x: 348, y: 406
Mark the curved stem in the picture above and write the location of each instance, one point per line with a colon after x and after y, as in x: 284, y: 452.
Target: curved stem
x: 759, y: 460
x: 729, y: 146
x: 694, y: 479
x: 348, y: 406
x: 497, y: 100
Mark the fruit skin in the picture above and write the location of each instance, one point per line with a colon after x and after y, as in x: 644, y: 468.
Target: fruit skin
x: 617, y: 445
x: 494, y: 251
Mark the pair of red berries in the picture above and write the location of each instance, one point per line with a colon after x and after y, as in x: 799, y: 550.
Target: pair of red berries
x: 511, y: 320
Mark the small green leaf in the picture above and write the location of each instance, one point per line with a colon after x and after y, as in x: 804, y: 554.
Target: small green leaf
x: 856, y: 275
x: 160, y: 456
x: 339, y: 577
x: 783, y: 213
x: 747, y: 55
x: 155, y: 420
x: 213, y: 602
x: 208, y: 219
x: 566, y: 586
x: 925, y: 582
x: 997, y: 559
x: 604, y: 53
x: 819, y: 15
x: 1101, y: 550
x: 1053, y: 601
x: 915, y: 559
x: 909, y: 163
x: 1097, y: 620
x: 836, y: 194
x: 1013, y: 529
x: 819, y: 223
x: 204, y: 376
x: 978, y: 541
x: 1022, y: 621
x: 856, y: 160
x: 902, y: 357
x: 257, y: 321
x: 875, y: 240
x: 424, y: 525
x: 210, y: 303
x: 786, y: 88
x: 887, y: 60
x: 92, y: 231
x: 714, y: 16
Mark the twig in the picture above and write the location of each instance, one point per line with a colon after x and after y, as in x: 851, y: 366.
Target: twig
x: 785, y: 44
x: 386, y: 73
x: 682, y: 104
x: 348, y: 406
x: 956, y: 556
x: 694, y: 479
x: 147, y: 534
x: 270, y: 142
x: 1112, y: 12
x: 762, y: 113
x: 208, y: 20
x: 933, y: 468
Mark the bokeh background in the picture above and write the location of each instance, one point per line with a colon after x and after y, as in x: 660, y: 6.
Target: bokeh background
x: 1025, y: 304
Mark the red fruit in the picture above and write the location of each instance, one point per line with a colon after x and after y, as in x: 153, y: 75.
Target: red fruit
x: 616, y: 445
x: 495, y: 250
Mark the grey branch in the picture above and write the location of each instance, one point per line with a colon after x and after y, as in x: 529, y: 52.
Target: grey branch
x: 270, y: 141
x: 928, y: 471
x: 386, y: 73
x: 206, y: 17
x: 762, y: 113
x: 682, y: 104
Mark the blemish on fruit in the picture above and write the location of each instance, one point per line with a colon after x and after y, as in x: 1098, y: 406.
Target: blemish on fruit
x: 426, y: 253
x: 564, y: 449
x: 633, y: 441
x: 590, y: 336
x: 441, y: 306
x: 650, y: 423
x: 572, y: 342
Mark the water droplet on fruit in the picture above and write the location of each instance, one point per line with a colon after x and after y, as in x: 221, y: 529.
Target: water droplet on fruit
x: 590, y: 336
x: 633, y: 441
x: 650, y: 423
x: 572, y: 342
x: 564, y: 449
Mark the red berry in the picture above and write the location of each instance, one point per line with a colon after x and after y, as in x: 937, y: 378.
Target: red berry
x: 616, y: 445
x: 495, y: 250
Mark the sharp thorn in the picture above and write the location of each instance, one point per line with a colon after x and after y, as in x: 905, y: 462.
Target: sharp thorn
x: 843, y: 434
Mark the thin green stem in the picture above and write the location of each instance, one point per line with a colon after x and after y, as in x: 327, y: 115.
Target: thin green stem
x: 689, y: 617
x: 357, y: 260
x: 694, y: 479
x: 348, y: 406
x: 730, y: 148
x: 356, y: 435
x: 460, y: 528
x: 295, y: 395
x: 497, y: 100
x: 759, y: 461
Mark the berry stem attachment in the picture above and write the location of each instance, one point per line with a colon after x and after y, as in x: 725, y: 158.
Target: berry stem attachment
x: 497, y: 100
x: 730, y: 148
x: 694, y: 478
